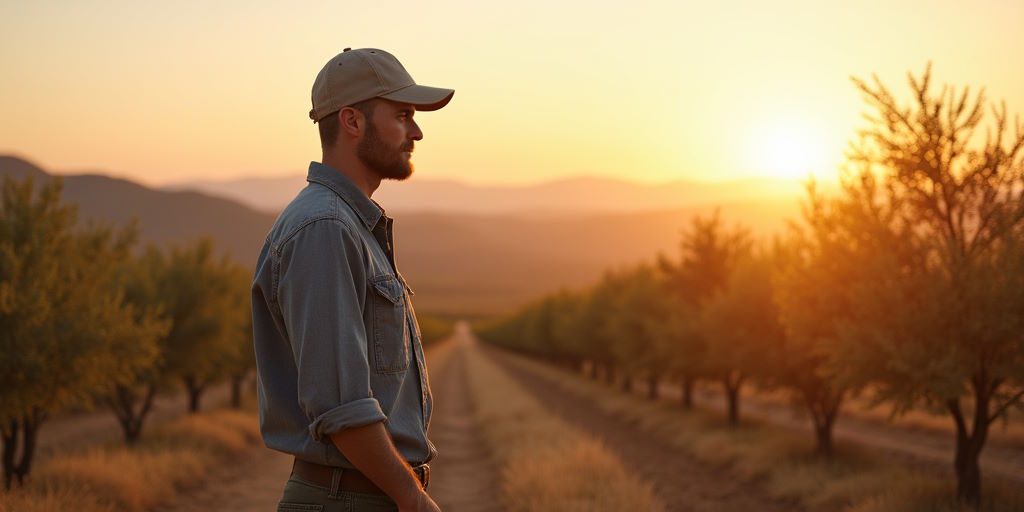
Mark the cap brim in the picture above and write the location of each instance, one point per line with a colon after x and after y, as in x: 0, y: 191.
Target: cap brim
x: 424, y: 97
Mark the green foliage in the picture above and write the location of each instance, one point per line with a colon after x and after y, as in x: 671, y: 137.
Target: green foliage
x: 65, y: 330
x: 709, y: 255
x: 642, y: 343
x: 206, y: 300
x: 241, y: 356
x: 741, y: 322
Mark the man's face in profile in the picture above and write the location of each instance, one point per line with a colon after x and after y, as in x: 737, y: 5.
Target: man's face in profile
x: 387, y: 144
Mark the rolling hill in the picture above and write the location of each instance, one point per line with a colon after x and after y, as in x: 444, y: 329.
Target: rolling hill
x: 163, y: 216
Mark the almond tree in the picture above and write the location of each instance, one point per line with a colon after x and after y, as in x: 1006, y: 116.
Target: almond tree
x: 933, y: 216
x: 643, y: 345
x: 196, y: 290
x: 132, y: 401
x: 709, y: 254
x: 812, y: 274
x: 66, y: 334
x: 241, y: 355
x: 741, y: 325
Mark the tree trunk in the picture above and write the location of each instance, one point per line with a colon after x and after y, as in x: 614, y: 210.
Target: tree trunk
x: 823, y: 440
x: 195, y: 391
x: 627, y: 383
x: 732, y: 392
x: 28, y: 427
x: 652, y: 391
x: 687, y: 392
x: 969, y: 445
x: 10, y: 440
x: 32, y: 422
x: 193, y: 400
x: 823, y: 404
x: 123, y: 405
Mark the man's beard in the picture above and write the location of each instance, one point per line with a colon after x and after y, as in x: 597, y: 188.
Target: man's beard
x: 387, y: 161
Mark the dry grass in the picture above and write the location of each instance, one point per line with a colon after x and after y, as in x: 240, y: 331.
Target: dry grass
x: 133, y: 479
x: 118, y: 478
x: 582, y: 476
x: 53, y: 500
x: 781, y: 461
x: 923, y: 494
x: 546, y: 464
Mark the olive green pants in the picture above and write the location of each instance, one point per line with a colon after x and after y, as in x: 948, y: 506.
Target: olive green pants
x: 304, y: 496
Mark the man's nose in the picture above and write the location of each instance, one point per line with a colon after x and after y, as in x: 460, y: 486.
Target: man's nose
x: 414, y: 132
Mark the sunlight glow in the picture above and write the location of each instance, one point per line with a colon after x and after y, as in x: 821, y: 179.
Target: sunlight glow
x: 789, y: 150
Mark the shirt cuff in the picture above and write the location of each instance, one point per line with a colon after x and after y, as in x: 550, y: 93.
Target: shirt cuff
x: 357, y: 413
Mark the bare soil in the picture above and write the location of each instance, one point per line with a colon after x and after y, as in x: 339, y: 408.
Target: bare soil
x: 463, y: 477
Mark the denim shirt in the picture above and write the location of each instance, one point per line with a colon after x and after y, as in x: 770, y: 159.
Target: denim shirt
x: 336, y: 338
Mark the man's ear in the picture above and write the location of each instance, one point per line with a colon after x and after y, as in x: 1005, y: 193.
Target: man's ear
x: 351, y: 121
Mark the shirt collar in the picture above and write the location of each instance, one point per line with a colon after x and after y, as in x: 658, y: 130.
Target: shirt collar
x: 367, y: 210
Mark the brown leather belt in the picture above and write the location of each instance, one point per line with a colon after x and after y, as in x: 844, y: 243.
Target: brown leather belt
x: 351, y: 479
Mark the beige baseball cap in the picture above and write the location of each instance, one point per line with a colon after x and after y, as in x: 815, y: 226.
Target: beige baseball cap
x: 356, y: 75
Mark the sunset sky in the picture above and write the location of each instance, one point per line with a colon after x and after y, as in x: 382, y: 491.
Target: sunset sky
x: 163, y: 92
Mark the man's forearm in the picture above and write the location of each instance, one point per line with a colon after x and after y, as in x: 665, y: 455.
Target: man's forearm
x: 370, y: 450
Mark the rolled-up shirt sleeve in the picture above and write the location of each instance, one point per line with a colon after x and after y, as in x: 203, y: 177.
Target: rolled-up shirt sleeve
x: 321, y: 292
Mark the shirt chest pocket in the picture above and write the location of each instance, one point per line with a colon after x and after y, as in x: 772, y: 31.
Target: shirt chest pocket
x: 390, y: 329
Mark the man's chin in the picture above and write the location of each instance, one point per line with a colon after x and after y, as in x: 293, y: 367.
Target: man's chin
x: 395, y: 173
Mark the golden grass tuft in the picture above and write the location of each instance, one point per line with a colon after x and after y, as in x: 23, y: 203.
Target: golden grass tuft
x: 132, y: 479
x: 929, y: 494
x: 53, y: 500
x: 581, y: 477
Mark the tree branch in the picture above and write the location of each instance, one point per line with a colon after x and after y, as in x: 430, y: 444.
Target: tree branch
x: 1001, y: 409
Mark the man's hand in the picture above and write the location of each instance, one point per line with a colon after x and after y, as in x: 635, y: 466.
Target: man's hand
x: 370, y: 450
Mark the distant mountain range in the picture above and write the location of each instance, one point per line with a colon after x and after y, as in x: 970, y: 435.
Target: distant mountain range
x: 463, y: 262
x: 163, y: 216
x: 574, y: 195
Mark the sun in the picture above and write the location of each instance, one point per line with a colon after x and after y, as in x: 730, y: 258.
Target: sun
x: 789, y: 150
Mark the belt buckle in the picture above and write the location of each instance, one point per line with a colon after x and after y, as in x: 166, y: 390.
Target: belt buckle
x: 423, y: 471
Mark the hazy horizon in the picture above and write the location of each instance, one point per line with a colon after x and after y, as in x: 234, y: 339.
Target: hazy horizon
x: 701, y: 179
x: 560, y: 195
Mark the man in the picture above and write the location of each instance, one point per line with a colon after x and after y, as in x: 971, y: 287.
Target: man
x: 342, y: 381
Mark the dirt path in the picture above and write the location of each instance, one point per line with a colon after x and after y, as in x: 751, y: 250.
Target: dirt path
x: 680, y: 481
x: 463, y: 478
